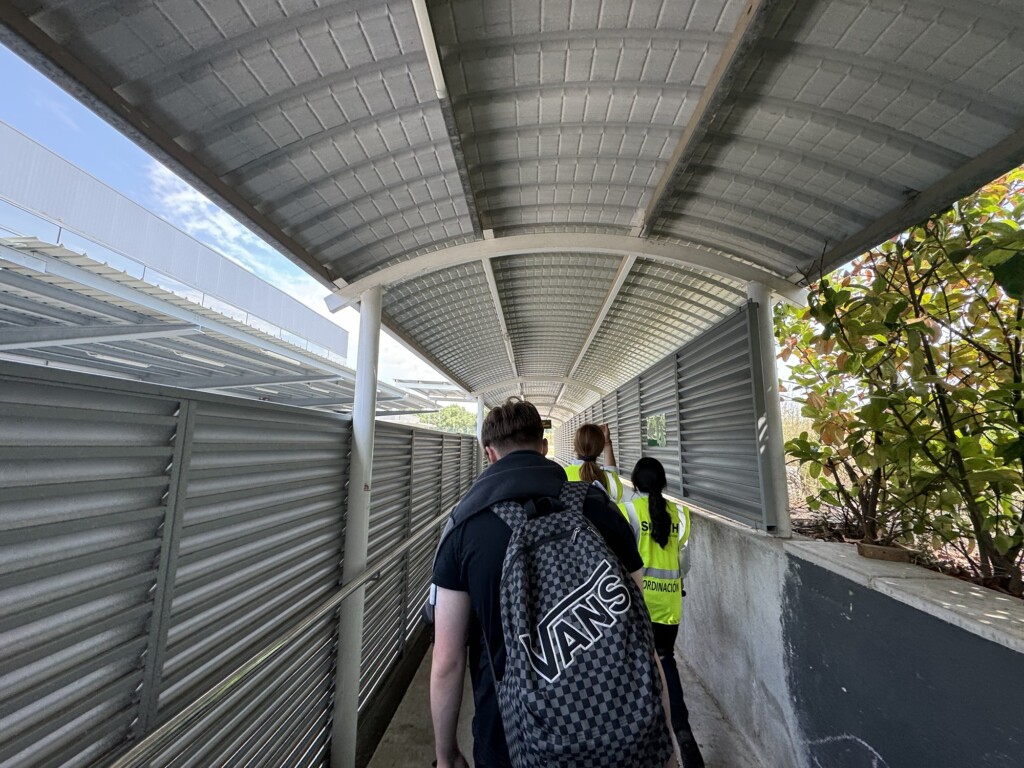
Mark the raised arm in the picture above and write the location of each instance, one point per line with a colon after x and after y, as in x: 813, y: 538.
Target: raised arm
x: 609, y: 451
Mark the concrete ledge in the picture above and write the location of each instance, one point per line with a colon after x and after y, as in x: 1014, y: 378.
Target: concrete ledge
x: 981, y: 611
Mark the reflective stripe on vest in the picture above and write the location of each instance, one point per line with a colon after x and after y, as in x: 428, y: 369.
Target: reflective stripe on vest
x: 572, y: 472
x: 662, y: 577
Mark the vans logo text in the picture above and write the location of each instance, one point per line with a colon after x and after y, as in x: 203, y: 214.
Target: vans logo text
x: 576, y: 622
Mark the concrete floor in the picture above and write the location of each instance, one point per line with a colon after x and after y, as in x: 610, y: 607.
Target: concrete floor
x: 409, y: 741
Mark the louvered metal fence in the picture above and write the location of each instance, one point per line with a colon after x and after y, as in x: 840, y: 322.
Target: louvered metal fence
x: 708, y: 398
x: 153, y: 541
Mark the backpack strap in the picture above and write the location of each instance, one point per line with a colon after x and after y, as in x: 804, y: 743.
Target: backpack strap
x: 511, y: 513
x: 574, y: 494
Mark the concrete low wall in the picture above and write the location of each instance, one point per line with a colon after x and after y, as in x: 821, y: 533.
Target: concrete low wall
x: 824, y: 659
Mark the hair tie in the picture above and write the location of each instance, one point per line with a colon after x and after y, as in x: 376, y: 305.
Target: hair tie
x: 588, y: 458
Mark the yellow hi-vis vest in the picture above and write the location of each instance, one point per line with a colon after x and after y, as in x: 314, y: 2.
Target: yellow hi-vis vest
x: 572, y: 471
x: 663, y: 582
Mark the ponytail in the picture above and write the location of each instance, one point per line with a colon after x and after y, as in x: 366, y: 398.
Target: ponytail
x: 661, y: 521
x: 649, y: 477
x: 588, y: 443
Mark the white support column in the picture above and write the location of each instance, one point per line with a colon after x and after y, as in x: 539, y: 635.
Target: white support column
x: 769, y: 433
x: 480, y: 429
x: 357, y: 531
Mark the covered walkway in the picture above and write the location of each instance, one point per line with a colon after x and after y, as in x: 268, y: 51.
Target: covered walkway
x: 594, y: 205
x: 408, y: 742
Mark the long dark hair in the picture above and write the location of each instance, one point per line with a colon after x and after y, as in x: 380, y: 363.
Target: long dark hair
x: 588, y: 443
x: 649, y: 477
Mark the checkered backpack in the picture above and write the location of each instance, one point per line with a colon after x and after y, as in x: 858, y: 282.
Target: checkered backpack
x: 581, y: 685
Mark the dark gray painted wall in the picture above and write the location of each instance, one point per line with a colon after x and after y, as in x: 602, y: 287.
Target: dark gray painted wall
x: 879, y: 684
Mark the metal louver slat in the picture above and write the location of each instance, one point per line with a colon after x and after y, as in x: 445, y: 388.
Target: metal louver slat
x: 239, y: 729
x: 384, y: 633
x: 84, y: 489
x: 468, y: 445
x: 717, y: 429
x: 450, y: 479
x: 390, y: 518
x: 659, y: 409
x: 711, y: 394
x: 426, y: 504
x: 610, y: 416
x: 260, y: 543
x: 630, y: 432
x: 153, y: 540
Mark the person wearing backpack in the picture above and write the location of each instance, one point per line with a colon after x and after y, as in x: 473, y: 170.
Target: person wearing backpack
x: 661, y: 531
x: 579, y: 682
x: 590, y: 442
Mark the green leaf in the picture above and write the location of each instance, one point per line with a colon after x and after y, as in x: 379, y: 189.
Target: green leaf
x: 1011, y: 451
x: 1009, y: 274
x: 1003, y: 543
x: 997, y: 476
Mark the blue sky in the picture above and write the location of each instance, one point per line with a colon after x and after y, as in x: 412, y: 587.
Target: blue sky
x: 33, y: 105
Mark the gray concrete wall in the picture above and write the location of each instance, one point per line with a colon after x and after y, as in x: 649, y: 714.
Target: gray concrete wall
x: 732, y: 635
x: 827, y: 660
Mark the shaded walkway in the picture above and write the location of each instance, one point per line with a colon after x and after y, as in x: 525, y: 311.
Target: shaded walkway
x: 409, y: 741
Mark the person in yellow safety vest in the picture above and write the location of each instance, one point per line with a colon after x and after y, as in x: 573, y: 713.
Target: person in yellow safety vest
x: 589, y: 442
x: 661, y: 531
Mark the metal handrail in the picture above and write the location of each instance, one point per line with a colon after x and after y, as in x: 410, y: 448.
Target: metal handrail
x: 141, y: 752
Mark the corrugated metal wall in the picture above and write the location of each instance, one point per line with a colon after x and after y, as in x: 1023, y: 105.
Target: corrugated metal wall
x: 84, y: 488
x: 719, y: 420
x: 659, y: 401
x: 152, y: 540
x: 628, y: 426
x: 709, y: 392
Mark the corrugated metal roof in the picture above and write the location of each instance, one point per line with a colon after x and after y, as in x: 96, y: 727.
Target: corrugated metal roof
x: 731, y: 140
x: 62, y: 309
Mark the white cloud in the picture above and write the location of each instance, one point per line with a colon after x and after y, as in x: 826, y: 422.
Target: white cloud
x: 193, y: 212
x: 58, y: 110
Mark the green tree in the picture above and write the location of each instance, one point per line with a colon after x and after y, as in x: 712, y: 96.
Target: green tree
x: 911, y: 367
x: 451, y: 418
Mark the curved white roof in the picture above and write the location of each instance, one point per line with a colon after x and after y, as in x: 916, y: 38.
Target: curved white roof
x: 641, y: 160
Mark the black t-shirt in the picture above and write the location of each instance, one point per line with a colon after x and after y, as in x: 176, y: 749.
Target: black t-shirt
x: 470, y: 560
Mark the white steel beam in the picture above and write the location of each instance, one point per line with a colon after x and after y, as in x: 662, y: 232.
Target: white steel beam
x: 609, y: 300
x: 496, y: 298
x: 540, y: 380
x: 675, y: 253
x: 740, y: 42
x: 771, y: 451
x: 67, y: 335
x: 357, y: 533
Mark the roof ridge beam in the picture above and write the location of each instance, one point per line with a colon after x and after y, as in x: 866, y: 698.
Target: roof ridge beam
x: 625, y: 267
x: 447, y: 109
x: 492, y: 286
x: 738, y: 47
x: 539, y: 380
